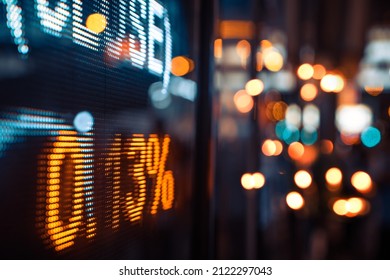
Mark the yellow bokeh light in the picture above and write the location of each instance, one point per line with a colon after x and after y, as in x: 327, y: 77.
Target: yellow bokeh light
x: 258, y: 180
x: 302, y: 179
x: 351, y: 207
x: 355, y: 205
x: 334, y: 176
x: 361, y: 181
x: 309, y: 92
x: 180, y: 66
x: 273, y: 60
x: 246, y: 181
x: 305, y: 71
x: 243, y: 101
x: 296, y: 150
x: 332, y: 83
x: 295, y: 200
x: 279, y: 147
x: 319, y: 71
x: 254, y: 87
x: 268, y: 148
x: 252, y: 181
x: 96, y: 23
x: 340, y: 207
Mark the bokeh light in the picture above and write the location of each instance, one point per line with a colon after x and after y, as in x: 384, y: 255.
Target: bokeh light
x: 319, y: 71
x: 305, y: 71
x: 96, y: 23
x: 327, y: 147
x: 273, y: 60
x: 290, y: 134
x: 332, y: 83
x: 361, y: 182
x: 218, y: 48
x: 268, y: 148
x: 351, y: 207
x: 83, y: 122
x: 309, y: 156
x: 180, y: 66
x: 309, y: 137
x: 302, y: 179
x: 370, y: 137
x: 309, y: 92
x: 276, y: 111
x: 311, y: 118
x: 374, y: 90
x: 295, y: 200
x: 243, y: 49
x: 246, y: 181
x: 294, y: 115
x: 258, y: 180
x: 296, y: 150
x: 254, y: 87
x: 334, y: 176
x: 243, y: 101
x: 252, y: 181
x: 279, y: 147
x: 350, y: 139
x: 340, y: 207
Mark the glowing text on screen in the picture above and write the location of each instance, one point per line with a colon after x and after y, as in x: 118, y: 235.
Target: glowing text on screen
x: 136, y: 184
x: 142, y: 37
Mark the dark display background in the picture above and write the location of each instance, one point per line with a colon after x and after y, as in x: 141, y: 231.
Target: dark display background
x: 64, y: 78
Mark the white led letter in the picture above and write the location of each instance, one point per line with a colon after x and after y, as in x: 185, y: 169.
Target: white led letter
x: 15, y: 24
x: 168, y: 53
x: 53, y: 20
x: 81, y: 34
x: 138, y: 16
x: 156, y: 37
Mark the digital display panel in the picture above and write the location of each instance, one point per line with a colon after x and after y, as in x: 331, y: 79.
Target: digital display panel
x: 91, y: 165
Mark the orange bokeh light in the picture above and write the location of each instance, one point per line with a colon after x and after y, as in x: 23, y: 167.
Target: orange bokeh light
x: 319, y: 71
x: 361, y: 181
x: 309, y: 92
x: 243, y: 101
x: 296, y: 150
x: 326, y: 147
x: 180, y: 66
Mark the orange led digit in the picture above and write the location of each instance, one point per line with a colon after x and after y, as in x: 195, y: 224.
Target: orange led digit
x: 135, y: 200
x: 65, y: 202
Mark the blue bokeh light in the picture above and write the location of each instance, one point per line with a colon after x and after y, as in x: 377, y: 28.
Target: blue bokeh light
x: 371, y: 137
x: 83, y: 122
x: 291, y: 134
x: 309, y: 138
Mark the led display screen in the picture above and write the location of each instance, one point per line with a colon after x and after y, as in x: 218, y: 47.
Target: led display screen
x: 96, y: 142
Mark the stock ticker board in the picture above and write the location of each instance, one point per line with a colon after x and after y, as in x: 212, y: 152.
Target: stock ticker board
x: 88, y: 168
